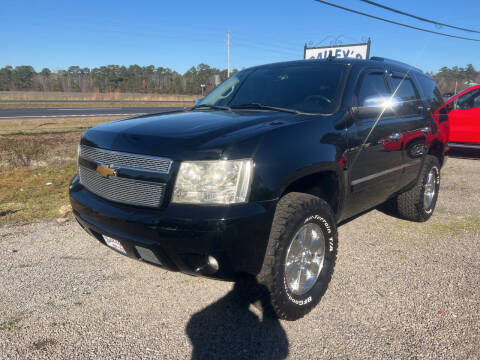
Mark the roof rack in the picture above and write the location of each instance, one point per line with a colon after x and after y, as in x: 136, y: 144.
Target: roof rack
x: 394, y: 62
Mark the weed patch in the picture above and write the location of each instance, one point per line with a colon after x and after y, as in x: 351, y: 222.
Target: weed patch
x: 54, y: 149
x: 11, y: 326
x: 456, y: 226
x: 28, y: 194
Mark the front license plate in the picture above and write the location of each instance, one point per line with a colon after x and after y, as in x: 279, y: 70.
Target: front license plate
x: 114, y: 244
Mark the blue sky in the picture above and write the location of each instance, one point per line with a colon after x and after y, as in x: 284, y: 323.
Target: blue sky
x: 179, y: 34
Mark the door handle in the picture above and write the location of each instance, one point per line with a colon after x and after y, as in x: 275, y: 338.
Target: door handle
x: 395, y: 137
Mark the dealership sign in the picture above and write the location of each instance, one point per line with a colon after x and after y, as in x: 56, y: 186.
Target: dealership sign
x: 354, y: 51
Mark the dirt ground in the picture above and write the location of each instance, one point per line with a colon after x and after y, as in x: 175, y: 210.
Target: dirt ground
x: 400, y: 290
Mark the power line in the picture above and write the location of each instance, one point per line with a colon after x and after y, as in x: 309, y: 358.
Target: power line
x: 264, y: 47
x: 228, y: 54
x: 395, y: 22
x: 418, y: 17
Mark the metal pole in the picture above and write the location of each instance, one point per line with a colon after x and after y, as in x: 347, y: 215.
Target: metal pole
x: 228, y: 53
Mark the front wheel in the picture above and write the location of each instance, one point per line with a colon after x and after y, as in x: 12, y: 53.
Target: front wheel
x: 418, y: 203
x: 300, y: 255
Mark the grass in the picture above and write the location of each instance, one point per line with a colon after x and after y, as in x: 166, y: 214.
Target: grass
x: 457, y: 226
x: 37, y: 162
x: 35, y: 171
x: 47, y: 125
x: 14, y: 105
x: 50, y: 149
x: 27, y: 194
x: 52, y: 95
x: 80, y: 129
x: 420, y: 234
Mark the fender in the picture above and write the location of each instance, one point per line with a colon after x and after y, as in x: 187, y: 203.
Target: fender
x: 319, y: 170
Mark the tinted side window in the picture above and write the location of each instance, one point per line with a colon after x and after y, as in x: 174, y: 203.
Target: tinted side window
x: 433, y: 96
x: 405, y: 90
x: 372, y: 85
x: 438, y: 99
x: 476, y: 101
x: 469, y: 100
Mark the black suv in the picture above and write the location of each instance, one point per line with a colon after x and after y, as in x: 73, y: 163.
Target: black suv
x: 254, y: 179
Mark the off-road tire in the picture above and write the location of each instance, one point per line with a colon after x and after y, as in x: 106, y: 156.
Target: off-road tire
x: 410, y: 204
x: 292, y: 212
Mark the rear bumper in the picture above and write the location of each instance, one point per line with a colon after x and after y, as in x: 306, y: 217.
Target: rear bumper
x: 181, y: 237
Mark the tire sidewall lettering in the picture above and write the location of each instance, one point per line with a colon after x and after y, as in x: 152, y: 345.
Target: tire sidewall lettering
x: 303, y: 302
x: 321, y: 220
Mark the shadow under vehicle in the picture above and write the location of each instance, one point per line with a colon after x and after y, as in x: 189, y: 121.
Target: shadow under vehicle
x: 228, y: 329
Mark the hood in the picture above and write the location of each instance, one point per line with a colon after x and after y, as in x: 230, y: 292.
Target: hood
x: 185, y: 135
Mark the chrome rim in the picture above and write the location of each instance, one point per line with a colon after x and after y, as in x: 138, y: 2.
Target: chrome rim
x: 304, y: 260
x: 430, y: 188
x: 416, y: 150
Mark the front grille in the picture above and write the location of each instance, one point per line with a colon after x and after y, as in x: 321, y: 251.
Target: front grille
x: 132, y: 161
x: 141, y: 192
x: 122, y: 190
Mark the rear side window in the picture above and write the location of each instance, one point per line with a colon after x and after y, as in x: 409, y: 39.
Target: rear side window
x: 372, y: 85
x: 404, y: 89
x: 433, y: 96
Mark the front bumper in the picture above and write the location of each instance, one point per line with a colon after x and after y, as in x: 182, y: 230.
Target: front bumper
x: 181, y: 236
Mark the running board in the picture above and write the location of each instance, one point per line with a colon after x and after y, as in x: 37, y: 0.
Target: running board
x: 465, y: 146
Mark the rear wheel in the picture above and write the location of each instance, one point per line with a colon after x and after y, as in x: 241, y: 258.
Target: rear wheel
x: 418, y: 203
x: 300, y: 255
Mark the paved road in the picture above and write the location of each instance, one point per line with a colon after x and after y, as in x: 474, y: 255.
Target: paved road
x: 400, y: 290
x: 72, y: 112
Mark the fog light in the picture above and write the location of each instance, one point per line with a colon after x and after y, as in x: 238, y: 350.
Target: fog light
x: 213, y: 263
x: 209, y: 267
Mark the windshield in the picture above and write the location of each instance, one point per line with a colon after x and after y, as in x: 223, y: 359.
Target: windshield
x: 306, y: 87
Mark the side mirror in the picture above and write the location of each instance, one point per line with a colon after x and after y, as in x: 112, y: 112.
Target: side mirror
x: 198, y: 101
x: 374, y: 106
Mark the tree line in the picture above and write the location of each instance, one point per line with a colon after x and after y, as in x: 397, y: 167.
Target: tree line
x: 456, y: 78
x: 112, y: 78
x: 151, y: 79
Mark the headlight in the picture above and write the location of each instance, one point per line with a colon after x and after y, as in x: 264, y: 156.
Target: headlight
x: 213, y: 182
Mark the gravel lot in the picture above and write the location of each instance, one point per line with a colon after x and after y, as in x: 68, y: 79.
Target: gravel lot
x: 400, y: 290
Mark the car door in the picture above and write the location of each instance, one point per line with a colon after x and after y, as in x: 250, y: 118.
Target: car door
x: 374, y: 156
x: 411, y: 122
x: 465, y: 118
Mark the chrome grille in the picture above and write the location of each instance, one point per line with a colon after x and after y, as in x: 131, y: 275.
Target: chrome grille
x: 133, y: 161
x: 122, y: 190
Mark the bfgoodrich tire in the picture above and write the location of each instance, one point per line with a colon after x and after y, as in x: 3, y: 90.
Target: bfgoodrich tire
x: 300, y: 255
x: 418, y: 203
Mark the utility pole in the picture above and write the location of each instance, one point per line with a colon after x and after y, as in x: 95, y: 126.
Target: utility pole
x: 228, y: 53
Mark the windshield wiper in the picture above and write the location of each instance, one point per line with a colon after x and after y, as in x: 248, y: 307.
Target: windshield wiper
x: 265, y: 107
x: 215, y: 107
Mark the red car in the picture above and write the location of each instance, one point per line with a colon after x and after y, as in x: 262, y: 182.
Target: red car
x: 464, y: 118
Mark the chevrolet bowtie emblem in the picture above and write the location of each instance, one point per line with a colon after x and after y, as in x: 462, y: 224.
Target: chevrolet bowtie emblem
x: 106, y: 171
